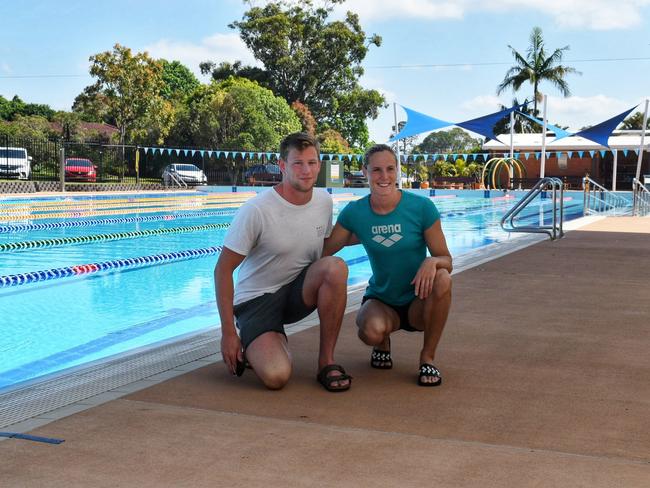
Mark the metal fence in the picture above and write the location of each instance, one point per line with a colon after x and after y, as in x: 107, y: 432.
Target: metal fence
x: 128, y: 164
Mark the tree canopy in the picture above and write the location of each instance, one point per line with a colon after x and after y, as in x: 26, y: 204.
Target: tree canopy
x: 128, y: 86
x: 14, y: 108
x: 238, y: 114
x: 455, y: 140
x: 537, y: 66
x: 635, y: 121
x: 178, y: 82
x: 307, y: 58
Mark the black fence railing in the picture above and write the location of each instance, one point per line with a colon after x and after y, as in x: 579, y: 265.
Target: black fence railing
x: 91, y: 162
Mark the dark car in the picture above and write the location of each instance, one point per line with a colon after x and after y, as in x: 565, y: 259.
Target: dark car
x: 80, y: 169
x: 263, y: 174
x: 355, y: 179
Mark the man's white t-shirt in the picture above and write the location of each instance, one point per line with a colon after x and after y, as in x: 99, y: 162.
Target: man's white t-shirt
x: 279, y: 240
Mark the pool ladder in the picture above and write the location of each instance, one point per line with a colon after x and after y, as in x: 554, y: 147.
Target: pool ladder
x: 178, y: 180
x: 641, y: 198
x: 554, y: 230
x: 598, y: 200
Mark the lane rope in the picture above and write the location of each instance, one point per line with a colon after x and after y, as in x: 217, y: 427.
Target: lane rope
x: 123, y: 220
x: 112, y: 265
x: 64, y: 241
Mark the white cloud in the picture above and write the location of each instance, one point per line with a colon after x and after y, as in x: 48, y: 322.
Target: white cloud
x: 578, y: 112
x: 482, y: 105
x: 217, y: 48
x: 574, y: 112
x: 6, y: 69
x: 370, y: 83
x: 589, y: 14
x: 389, y: 9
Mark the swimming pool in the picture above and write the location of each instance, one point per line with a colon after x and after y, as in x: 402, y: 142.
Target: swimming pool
x: 85, y: 279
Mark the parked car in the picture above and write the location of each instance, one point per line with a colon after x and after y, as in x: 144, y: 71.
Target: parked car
x: 80, y: 169
x: 355, y: 179
x: 186, y: 172
x: 15, y: 163
x: 263, y: 174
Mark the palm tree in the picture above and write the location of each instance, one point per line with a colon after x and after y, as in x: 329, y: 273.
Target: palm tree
x: 536, y: 67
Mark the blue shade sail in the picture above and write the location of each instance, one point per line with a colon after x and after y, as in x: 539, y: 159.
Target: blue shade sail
x: 559, y: 133
x: 600, y: 133
x: 417, y: 122
x: 485, y: 125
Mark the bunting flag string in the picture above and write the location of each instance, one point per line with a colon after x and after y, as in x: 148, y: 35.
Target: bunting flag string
x: 410, y: 158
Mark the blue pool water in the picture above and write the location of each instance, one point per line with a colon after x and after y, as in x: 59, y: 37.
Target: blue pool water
x: 54, y: 324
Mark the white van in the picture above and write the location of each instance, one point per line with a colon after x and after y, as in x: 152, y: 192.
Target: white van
x: 15, y: 163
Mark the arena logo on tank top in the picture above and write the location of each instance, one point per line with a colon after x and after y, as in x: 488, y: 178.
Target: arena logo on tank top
x: 393, y: 229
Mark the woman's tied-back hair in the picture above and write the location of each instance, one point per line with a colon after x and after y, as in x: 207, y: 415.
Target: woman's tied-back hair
x: 375, y: 149
x: 299, y: 141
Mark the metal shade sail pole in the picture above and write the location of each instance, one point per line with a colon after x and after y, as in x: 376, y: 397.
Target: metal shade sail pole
x: 542, y: 169
x: 641, y: 147
x: 511, y: 168
x: 399, y: 158
x: 614, y: 169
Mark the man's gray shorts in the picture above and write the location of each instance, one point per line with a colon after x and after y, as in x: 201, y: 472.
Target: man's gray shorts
x: 271, y: 311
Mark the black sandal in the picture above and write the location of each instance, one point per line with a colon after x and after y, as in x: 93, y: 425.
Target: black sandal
x: 240, y: 367
x: 324, y: 379
x: 429, y: 371
x: 381, y: 359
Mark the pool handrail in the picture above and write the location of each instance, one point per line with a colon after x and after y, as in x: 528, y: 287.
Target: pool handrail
x: 555, y: 230
x: 641, y: 201
x: 598, y: 200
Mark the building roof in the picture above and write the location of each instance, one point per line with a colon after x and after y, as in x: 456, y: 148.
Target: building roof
x: 102, y: 129
x: 533, y: 142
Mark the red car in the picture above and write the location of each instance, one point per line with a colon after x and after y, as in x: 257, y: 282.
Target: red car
x: 80, y: 169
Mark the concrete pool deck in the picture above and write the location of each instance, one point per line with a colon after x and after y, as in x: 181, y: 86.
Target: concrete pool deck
x: 546, y: 383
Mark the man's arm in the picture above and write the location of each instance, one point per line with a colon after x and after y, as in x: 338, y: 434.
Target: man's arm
x: 339, y: 238
x: 440, y: 259
x: 224, y: 291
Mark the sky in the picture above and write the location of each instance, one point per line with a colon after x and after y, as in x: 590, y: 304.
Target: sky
x: 443, y: 58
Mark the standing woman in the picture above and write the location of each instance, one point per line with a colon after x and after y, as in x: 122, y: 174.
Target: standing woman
x: 408, y: 290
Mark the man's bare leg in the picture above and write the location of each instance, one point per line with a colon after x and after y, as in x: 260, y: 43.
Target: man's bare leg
x: 326, y: 286
x: 270, y: 358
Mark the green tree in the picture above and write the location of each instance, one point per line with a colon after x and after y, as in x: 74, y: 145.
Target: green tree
x: 70, y: 123
x: 536, y: 66
x: 443, y: 168
x: 523, y: 125
x: 635, y: 122
x: 178, y: 81
x: 332, y: 142
x: 237, y: 114
x: 11, y: 109
x: 129, y: 85
x: 310, y: 59
x: 93, y: 106
x: 455, y: 140
x: 465, y: 169
x: 29, y: 127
